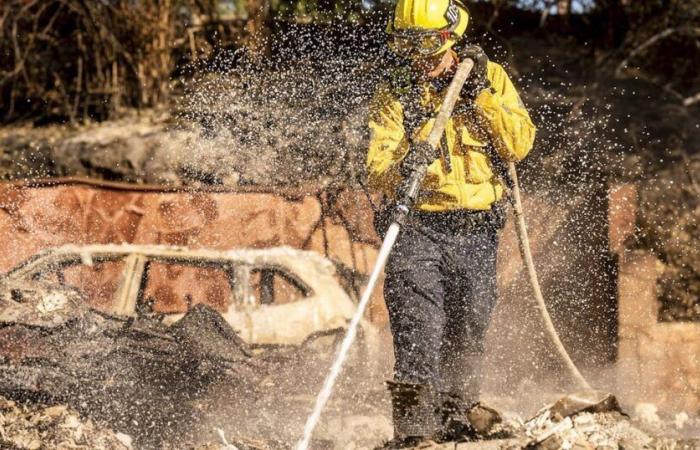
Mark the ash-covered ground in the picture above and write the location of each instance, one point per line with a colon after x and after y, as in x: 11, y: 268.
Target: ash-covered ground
x: 87, y: 379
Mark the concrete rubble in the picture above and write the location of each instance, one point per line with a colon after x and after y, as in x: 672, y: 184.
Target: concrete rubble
x: 581, y: 421
x: 591, y: 420
x: 89, y: 376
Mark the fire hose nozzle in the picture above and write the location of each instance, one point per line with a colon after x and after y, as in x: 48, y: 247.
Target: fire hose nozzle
x: 408, y: 194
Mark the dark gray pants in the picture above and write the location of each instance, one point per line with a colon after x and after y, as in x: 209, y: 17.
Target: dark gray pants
x: 440, y: 290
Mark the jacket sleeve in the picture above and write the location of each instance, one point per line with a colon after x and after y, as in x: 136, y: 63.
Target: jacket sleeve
x: 387, y: 142
x: 504, y: 116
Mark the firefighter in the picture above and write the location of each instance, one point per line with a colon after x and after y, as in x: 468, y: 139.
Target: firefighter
x: 440, y: 285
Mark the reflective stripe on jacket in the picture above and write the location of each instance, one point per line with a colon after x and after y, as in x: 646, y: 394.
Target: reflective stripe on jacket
x: 499, y: 119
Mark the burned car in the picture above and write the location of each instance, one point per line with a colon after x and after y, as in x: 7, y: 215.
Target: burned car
x: 143, y: 336
x: 278, y: 296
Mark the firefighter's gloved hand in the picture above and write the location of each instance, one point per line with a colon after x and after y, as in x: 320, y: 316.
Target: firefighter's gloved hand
x: 418, y: 155
x: 478, y: 78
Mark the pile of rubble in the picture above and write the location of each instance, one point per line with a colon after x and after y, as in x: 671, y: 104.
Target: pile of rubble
x: 168, y: 386
x: 31, y: 427
x: 584, y: 421
x: 136, y: 375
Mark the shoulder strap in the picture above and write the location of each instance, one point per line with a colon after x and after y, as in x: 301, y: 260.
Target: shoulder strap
x: 408, y: 92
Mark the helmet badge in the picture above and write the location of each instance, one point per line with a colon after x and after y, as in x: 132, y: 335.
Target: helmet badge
x: 452, y: 14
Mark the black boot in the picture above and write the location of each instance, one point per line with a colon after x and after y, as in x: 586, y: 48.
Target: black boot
x: 414, y: 414
x: 454, y: 422
x: 462, y: 421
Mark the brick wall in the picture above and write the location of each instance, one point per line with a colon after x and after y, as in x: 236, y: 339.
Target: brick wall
x: 657, y: 362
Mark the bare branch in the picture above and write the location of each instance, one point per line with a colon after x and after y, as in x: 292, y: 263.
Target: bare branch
x: 693, y: 99
x: 653, y: 40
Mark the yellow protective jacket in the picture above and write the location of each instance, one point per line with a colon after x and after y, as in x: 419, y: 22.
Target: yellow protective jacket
x: 499, y: 119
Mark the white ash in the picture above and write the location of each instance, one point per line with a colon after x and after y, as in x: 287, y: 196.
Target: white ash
x: 31, y: 427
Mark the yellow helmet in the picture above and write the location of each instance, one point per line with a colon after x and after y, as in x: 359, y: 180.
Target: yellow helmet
x: 427, y: 27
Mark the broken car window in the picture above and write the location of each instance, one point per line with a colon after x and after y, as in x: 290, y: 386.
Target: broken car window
x: 97, y: 282
x: 174, y: 287
x: 274, y: 286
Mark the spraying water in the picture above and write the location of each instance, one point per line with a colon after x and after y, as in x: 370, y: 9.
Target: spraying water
x: 328, y: 384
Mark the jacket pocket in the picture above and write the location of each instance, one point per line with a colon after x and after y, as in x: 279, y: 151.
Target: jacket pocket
x: 470, y: 141
x: 477, y: 168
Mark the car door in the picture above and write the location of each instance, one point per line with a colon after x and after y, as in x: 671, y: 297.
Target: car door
x: 171, y: 286
x: 277, y: 307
